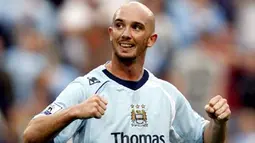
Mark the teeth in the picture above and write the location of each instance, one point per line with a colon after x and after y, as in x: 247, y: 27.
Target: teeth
x: 126, y: 45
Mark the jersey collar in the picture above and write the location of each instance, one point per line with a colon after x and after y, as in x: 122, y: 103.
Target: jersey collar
x: 134, y: 85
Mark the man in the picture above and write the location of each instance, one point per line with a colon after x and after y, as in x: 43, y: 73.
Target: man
x: 121, y: 102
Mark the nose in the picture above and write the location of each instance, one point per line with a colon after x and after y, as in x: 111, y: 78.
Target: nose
x: 126, y: 34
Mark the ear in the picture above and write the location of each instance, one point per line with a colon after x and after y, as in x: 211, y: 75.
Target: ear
x: 110, y: 30
x: 152, y: 40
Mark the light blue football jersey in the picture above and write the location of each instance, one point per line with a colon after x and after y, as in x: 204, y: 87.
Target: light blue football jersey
x: 147, y: 111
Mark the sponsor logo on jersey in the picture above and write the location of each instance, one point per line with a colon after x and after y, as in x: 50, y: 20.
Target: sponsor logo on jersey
x: 138, y: 116
x: 93, y: 80
x: 120, y: 137
x: 53, y: 108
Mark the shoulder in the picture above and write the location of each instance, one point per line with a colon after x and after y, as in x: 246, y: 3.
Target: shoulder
x: 160, y: 82
x: 93, y: 77
x: 165, y: 85
x: 84, y: 86
x: 93, y: 80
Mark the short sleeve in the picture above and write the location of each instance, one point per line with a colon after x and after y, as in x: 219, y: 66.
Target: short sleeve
x: 73, y: 94
x: 188, y: 126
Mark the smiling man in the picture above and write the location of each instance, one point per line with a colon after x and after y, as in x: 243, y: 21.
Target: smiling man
x: 132, y: 32
x: 121, y: 102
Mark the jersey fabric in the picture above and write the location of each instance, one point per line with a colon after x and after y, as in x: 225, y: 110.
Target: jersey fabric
x: 146, y: 111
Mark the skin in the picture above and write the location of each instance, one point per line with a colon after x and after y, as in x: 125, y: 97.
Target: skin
x: 133, y: 24
x: 219, y: 112
x: 136, y: 29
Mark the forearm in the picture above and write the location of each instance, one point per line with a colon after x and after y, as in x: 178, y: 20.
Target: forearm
x: 45, y: 128
x: 215, y: 133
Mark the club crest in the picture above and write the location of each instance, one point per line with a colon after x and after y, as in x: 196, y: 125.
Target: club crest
x: 138, y: 116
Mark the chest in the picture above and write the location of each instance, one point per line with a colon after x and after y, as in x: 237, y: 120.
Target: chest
x: 147, y: 111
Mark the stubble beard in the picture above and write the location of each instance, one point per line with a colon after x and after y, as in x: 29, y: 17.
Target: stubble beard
x: 127, y: 60
x: 122, y: 59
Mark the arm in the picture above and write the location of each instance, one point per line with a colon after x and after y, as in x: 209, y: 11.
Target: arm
x: 215, y: 133
x: 219, y: 112
x: 45, y: 128
x: 187, y: 126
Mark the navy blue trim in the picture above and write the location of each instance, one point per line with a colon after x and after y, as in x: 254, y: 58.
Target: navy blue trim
x: 134, y: 85
x: 101, y: 86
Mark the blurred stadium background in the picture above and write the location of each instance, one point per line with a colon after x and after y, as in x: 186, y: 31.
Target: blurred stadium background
x: 205, y: 47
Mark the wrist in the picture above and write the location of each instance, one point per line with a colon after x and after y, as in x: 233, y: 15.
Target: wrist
x: 73, y: 112
x: 219, y: 123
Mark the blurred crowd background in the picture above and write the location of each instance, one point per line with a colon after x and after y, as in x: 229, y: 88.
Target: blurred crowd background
x: 205, y: 48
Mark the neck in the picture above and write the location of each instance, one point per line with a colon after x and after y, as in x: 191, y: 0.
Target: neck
x: 126, y: 70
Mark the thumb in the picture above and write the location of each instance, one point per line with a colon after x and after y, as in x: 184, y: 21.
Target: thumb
x: 210, y: 111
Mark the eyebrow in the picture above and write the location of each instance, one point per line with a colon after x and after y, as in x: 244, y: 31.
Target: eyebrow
x: 118, y: 20
x: 136, y: 22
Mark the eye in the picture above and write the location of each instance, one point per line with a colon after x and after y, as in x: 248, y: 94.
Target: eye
x: 119, y: 25
x: 137, y: 27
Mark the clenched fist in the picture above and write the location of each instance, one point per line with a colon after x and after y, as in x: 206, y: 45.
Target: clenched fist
x: 218, y: 109
x: 93, y: 107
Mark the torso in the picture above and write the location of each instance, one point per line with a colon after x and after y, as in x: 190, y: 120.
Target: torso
x: 143, y: 115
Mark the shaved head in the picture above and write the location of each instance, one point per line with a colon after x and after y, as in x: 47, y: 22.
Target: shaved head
x: 138, y: 8
x: 132, y: 32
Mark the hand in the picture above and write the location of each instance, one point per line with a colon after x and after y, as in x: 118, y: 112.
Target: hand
x: 218, y: 109
x: 93, y: 107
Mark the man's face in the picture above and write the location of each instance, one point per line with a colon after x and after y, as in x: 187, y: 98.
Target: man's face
x: 130, y: 33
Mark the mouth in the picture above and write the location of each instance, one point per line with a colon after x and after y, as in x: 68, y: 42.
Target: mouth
x: 126, y: 45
